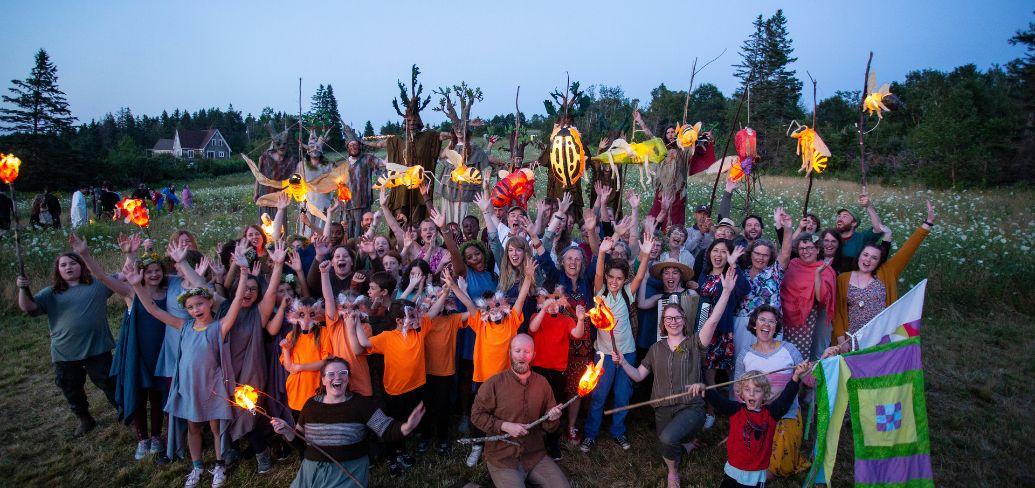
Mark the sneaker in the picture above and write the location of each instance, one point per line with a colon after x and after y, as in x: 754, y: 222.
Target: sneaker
x: 218, y: 476
x: 465, y: 425
x: 263, y: 462
x: 142, y: 447
x: 406, y: 461
x: 442, y: 448
x: 193, y: 478
x: 476, y: 454
x: 623, y: 442
x: 573, y: 436
x: 709, y: 421
x: 587, y: 445
x: 156, y: 446
x: 395, y: 469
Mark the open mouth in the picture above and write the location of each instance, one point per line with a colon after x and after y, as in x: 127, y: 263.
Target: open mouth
x: 337, y: 384
x: 765, y: 330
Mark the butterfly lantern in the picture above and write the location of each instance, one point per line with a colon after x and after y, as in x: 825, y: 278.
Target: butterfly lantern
x: 879, y: 100
x: 813, y: 151
x: 513, y: 188
x: 746, y: 143
x: 567, y: 156
x: 409, y: 177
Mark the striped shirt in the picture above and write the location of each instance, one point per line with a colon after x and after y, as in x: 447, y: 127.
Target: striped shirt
x: 341, y: 428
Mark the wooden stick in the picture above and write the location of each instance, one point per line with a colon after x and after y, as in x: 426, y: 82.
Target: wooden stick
x: 725, y: 150
x: 680, y: 395
x: 686, y: 104
x: 17, y: 240
x: 507, y: 437
x: 859, y: 126
x: 808, y: 190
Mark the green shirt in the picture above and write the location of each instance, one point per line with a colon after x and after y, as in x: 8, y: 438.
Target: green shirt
x: 78, y: 320
x: 852, y: 246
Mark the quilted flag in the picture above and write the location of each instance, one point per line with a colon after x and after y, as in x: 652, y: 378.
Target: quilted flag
x: 899, y: 321
x: 882, y: 388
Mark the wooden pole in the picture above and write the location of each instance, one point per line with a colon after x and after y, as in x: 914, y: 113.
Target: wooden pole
x: 859, y: 125
x: 686, y: 104
x: 808, y: 190
x: 17, y: 241
x: 506, y: 437
x: 680, y: 395
x: 725, y: 150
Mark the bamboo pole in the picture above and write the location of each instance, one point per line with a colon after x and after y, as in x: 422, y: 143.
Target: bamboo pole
x: 859, y: 125
x: 687, y: 393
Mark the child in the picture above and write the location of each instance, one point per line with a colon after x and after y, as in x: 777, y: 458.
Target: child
x: 338, y: 311
x: 199, y: 389
x: 752, y: 425
x: 552, y: 328
x: 403, y: 351
x: 303, y: 351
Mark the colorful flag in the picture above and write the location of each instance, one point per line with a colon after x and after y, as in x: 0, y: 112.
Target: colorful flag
x: 898, y: 322
x: 882, y: 387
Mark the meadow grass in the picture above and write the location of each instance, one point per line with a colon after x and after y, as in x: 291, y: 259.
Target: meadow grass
x: 977, y: 346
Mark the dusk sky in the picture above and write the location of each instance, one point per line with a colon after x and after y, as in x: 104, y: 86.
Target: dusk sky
x: 151, y: 56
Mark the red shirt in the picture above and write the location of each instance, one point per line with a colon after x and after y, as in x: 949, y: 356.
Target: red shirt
x: 552, y: 341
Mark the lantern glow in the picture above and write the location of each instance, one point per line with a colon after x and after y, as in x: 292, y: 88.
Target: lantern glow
x: 513, y: 188
x: 813, y: 151
x: 246, y: 397
x: 567, y: 156
x: 601, y: 316
x: 133, y: 211
x: 686, y: 135
x: 295, y: 187
x: 344, y: 194
x: 9, y: 164
x: 410, y: 177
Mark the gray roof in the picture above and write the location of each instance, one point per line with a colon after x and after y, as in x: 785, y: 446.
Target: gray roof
x: 195, y: 139
x: 163, y: 145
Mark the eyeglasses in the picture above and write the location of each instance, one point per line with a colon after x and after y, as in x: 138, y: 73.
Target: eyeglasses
x: 806, y: 248
x: 337, y: 374
x: 760, y: 254
x: 766, y: 321
x: 672, y: 319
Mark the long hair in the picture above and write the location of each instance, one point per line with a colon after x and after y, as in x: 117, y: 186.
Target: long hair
x: 416, y: 263
x: 707, y: 268
x: 840, y: 246
x: 487, y: 257
x: 509, y: 274
x: 177, y: 234
x: 58, y: 284
x: 261, y: 234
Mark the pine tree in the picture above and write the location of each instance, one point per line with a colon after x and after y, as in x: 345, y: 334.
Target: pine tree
x: 368, y: 130
x: 40, y: 106
x: 330, y: 107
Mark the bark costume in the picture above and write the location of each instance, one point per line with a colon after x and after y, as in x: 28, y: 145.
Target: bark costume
x: 275, y: 163
x: 416, y: 148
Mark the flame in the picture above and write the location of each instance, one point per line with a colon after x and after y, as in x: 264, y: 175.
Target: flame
x: 601, y: 316
x: 686, y: 135
x: 588, y: 381
x: 266, y: 226
x: 411, y: 178
x: 344, y: 194
x: 133, y: 210
x: 295, y: 187
x: 464, y: 174
x: 245, y: 396
x: 9, y: 164
x: 812, y: 149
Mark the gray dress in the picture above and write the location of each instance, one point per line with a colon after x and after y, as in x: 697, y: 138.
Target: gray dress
x: 199, y: 392
x: 247, y: 355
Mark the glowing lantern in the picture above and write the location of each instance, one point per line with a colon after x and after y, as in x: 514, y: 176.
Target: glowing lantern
x: 295, y: 187
x: 246, y: 397
x: 398, y: 175
x: 464, y: 174
x: 686, y: 135
x: 813, y: 151
x: 9, y: 164
x: 567, y: 156
x: 879, y: 100
x: 133, y: 210
x: 747, y: 150
x: 344, y: 194
x: 588, y: 381
x: 266, y: 226
x: 513, y: 188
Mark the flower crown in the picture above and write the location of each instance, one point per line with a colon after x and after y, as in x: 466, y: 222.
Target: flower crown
x: 147, y: 259
x: 289, y: 278
x: 193, y: 292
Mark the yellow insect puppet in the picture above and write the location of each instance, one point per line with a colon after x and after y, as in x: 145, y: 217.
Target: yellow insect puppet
x: 462, y: 173
x: 813, y: 151
x: 296, y: 187
x: 567, y: 155
x: 409, y: 177
x: 686, y: 136
x: 879, y: 100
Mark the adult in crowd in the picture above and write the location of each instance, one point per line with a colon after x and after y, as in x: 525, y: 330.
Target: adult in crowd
x: 79, y: 213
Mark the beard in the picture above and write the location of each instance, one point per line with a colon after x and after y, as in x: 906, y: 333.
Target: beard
x: 519, y: 368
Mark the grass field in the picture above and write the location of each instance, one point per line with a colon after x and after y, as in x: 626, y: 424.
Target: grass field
x: 978, y: 351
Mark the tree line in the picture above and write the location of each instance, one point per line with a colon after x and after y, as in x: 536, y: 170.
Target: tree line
x: 963, y: 128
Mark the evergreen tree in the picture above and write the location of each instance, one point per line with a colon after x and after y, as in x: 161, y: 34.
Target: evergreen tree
x: 330, y: 107
x: 368, y: 130
x: 39, y: 105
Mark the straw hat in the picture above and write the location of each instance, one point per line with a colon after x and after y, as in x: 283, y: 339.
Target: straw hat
x: 685, y: 272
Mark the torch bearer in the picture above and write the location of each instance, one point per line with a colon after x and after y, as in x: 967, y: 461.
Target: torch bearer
x: 9, y: 164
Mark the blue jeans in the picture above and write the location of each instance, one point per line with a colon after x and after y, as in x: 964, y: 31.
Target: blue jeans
x: 616, y: 377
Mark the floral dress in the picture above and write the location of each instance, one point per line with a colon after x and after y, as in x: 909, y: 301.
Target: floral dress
x: 721, y: 352
x: 580, y: 353
x: 865, y: 303
x: 436, y: 258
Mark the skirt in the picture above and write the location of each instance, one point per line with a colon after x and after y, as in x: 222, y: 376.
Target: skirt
x: 324, y: 474
x: 787, y: 459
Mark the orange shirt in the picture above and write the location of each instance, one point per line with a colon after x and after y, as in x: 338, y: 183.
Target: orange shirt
x: 301, y: 386
x: 440, y: 343
x: 359, y: 371
x: 492, y: 344
x: 404, y: 359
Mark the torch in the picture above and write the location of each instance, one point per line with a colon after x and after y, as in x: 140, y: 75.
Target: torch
x: 246, y: 397
x: 133, y: 210
x: 9, y: 164
x: 587, y: 383
x: 603, y: 319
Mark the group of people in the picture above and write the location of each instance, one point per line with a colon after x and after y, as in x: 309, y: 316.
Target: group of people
x: 470, y: 325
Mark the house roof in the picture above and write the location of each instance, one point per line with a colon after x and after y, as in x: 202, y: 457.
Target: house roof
x: 195, y: 139
x: 163, y: 145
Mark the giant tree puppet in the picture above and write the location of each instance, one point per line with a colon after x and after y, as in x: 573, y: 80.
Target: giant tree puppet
x: 464, y: 176
x: 278, y: 162
x: 569, y: 105
x: 417, y: 147
x: 315, y: 166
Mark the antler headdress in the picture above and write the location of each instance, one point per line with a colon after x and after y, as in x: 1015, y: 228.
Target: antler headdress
x: 411, y: 101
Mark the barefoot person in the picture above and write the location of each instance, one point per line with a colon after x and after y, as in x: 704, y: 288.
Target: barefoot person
x: 506, y: 403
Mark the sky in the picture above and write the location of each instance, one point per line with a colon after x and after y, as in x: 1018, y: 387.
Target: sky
x: 150, y: 56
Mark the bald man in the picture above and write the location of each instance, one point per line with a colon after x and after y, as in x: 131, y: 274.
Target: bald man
x: 506, y: 404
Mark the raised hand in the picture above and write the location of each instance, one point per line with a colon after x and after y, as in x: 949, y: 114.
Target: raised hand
x: 930, y: 212
x: 646, y: 244
x: 565, y: 203
x: 438, y: 218
x: 729, y: 278
x: 176, y: 253
x: 133, y: 274
x: 530, y: 267
x: 540, y: 208
x: 624, y: 226
x: 322, y: 245
x: 382, y: 197
x: 282, y: 201
x: 606, y: 245
x: 735, y: 255
x: 667, y: 199
x: 461, y: 284
x: 651, y: 223
x: 77, y: 244
x: 216, y: 266
x: 482, y: 201
x: 864, y: 200
x: 589, y: 220
x: 203, y: 265
x: 634, y: 200
x: 425, y: 187
x: 279, y: 253
x: 325, y: 267
x: 604, y: 193
x: 820, y: 268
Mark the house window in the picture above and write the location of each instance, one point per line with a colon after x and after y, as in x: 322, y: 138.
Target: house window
x: 190, y: 153
x: 221, y: 154
x: 210, y: 154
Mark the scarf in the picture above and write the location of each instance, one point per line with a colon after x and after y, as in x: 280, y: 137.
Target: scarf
x: 797, y: 292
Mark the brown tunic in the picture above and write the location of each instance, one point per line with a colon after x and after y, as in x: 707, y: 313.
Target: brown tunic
x: 424, y: 150
x: 275, y: 170
x: 503, y: 398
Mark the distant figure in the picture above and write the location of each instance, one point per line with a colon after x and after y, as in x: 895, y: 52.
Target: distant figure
x: 142, y: 192
x: 108, y: 200
x: 171, y: 200
x: 80, y: 214
x: 46, y: 210
x: 187, y: 198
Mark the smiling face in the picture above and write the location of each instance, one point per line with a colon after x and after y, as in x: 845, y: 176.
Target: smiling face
x: 760, y: 257
x: 718, y: 256
x: 869, y: 259
x: 335, y: 378
x: 845, y: 222
x: 69, y: 269
x: 254, y: 237
x: 337, y: 234
x: 671, y: 278
x: 381, y: 245
x: 724, y: 232
x: 620, y: 251
x: 615, y: 278
x: 752, y: 229
x: 251, y: 292
x: 470, y: 228
x: 185, y: 240
x: 341, y: 262
x: 807, y: 251
x: 752, y: 394
x: 428, y: 231
x: 514, y: 218
x: 812, y: 224
x: 765, y: 327
x: 674, y: 321
x: 571, y: 262
x: 830, y: 243
x: 474, y: 259
x: 153, y: 274
x: 655, y: 250
x: 676, y: 239
x: 199, y: 308
x: 515, y: 253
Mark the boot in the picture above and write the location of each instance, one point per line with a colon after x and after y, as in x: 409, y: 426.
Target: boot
x: 86, y: 424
